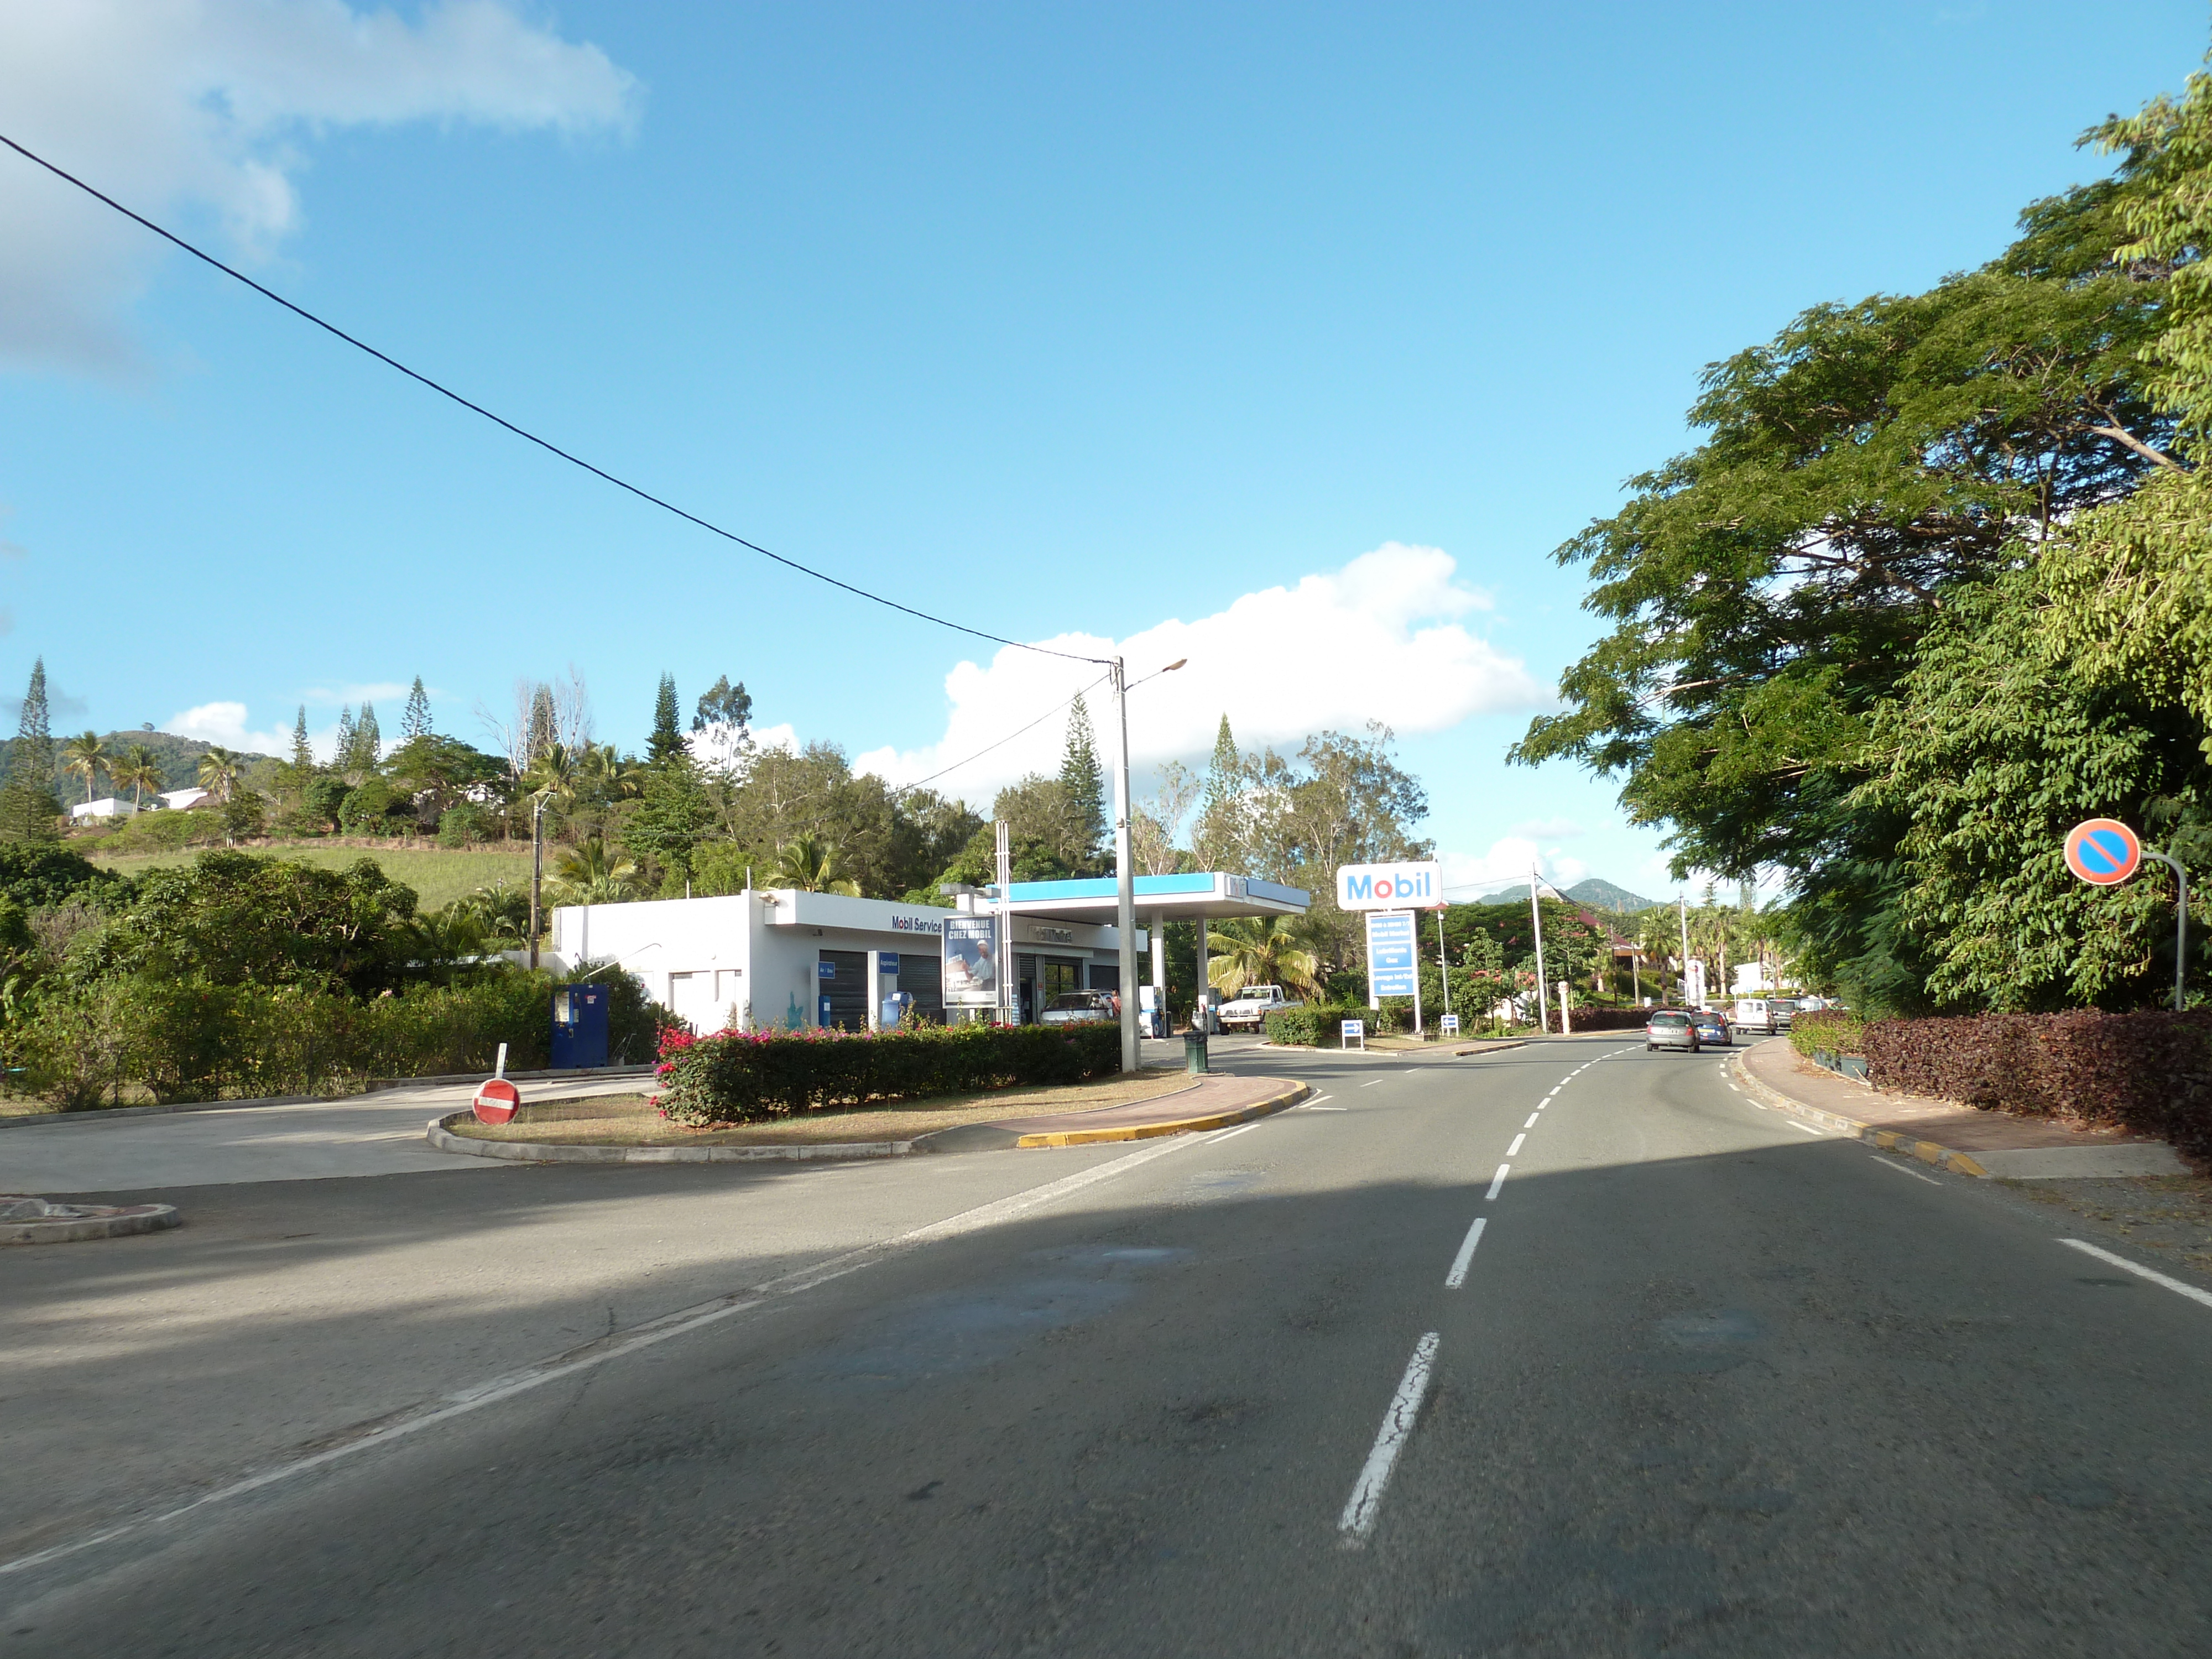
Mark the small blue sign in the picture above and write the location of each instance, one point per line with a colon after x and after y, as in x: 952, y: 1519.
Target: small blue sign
x: 826, y: 970
x: 887, y: 962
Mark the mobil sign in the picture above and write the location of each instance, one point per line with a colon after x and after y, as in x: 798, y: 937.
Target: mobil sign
x: 1414, y: 886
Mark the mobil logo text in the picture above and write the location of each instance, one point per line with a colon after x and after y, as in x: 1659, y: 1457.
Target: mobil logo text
x: 1413, y: 885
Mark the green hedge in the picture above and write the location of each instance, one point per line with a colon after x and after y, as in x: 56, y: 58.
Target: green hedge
x: 1321, y: 1025
x: 1838, y: 1030
x: 186, y: 1039
x: 741, y: 1077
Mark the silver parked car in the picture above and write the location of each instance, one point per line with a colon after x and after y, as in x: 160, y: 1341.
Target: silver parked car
x: 1669, y: 1028
x: 1082, y: 1008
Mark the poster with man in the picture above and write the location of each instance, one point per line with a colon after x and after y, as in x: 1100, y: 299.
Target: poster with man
x: 971, y: 964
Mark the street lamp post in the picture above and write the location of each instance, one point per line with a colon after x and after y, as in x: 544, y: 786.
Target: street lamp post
x: 1125, y: 862
x: 1536, y: 921
x: 536, y: 871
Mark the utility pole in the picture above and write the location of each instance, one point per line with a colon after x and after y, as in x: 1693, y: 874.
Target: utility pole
x: 1125, y: 870
x: 1682, y: 908
x: 1536, y: 917
x: 536, y: 871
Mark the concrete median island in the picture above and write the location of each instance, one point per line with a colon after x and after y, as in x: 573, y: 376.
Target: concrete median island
x: 630, y: 1120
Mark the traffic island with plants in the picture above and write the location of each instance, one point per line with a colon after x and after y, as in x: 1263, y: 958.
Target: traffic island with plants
x: 635, y: 1120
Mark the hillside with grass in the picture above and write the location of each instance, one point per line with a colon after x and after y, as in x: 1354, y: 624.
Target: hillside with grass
x: 439, y: 876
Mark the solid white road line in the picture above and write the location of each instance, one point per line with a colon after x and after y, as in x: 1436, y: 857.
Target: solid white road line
x: 2141, y: 1272
x: 1515, y: 1149
x: 1794, y: 1124
x: 1317, y: 1099
x: 1886, y: 1164
x: 1531, y: 1123
x: 1231, y: 1134
x: 1371, y: 1083
x: 1457, y: 1276
x: 1497, y: 1182
x: 1310, y: 1107
x: 1360, y: 1510
x: 617, y: 1345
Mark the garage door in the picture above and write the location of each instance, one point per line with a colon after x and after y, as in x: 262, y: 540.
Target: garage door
x: 844, y: 980
x: 924, y: 976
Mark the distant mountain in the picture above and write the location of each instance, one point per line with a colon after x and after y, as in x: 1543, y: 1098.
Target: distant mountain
x: 1597, y: 894
x: 179, y: 759
x: 1602, y: 894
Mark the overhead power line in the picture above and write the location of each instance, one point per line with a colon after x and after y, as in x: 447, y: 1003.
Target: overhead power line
x: 524, y: 433
x: 904, y: 787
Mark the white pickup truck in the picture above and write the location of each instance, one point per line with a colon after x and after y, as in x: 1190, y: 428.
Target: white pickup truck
x: 1249, y: 1008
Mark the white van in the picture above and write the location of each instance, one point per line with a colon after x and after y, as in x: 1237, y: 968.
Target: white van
x: 1753, y: 1014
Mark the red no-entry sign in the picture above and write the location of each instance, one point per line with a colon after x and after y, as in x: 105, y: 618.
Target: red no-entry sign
x: 496, y: 1100
x: 2103, y: 852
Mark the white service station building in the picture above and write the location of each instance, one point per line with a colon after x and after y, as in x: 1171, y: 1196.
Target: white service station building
x: 784, y: 959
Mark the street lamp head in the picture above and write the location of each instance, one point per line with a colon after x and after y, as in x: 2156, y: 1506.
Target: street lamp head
x: 1177, y: 664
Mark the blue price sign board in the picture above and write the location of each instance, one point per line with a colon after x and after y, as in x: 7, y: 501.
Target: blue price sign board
x: 826, y: 970
x: 1392, y: 969
x: 887, y: 962
x: 2103, y: 852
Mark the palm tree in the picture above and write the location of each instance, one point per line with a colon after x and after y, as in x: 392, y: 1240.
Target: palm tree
x: 137, y: 769
x: 811, y: 866
x: 87, y: 757
x: 589, y: 874
x: 220, y: 771
x: 1261, y: 950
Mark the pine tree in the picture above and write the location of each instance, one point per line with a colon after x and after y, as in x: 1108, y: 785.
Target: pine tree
x: 1083, y: 784
x: 28, y: 806
x: 1219, y: 836
x: 342, y: 752
x: 303, y: 754
x: 367, y: 741
x: 543, y: 725
x: 667, y: 742
x: 415, y: 722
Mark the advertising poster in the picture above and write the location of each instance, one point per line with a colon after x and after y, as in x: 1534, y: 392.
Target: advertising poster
x: 971, y: 961
x: 1391, y: 970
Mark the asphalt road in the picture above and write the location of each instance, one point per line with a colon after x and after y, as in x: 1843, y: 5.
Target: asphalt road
x: 1707, y: 1383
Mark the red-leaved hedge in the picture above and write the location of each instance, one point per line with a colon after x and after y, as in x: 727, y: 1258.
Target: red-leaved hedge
x: 2149, y: 1072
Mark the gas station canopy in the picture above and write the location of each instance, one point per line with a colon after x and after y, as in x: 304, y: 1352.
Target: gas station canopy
x: 1212, y: 894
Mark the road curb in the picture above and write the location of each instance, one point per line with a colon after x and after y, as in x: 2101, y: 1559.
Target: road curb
x: 1928, y: 1152
x: 98, y: 1221
x: 1290, y: 1096
x: 539, y: 1151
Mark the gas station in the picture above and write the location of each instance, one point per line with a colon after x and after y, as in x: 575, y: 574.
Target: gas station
x: 1043, y: 916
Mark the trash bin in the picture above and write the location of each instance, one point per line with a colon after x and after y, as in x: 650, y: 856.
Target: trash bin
x: 1193, y: 1052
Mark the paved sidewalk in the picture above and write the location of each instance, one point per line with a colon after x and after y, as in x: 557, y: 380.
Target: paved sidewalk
x: 1964, y: 1138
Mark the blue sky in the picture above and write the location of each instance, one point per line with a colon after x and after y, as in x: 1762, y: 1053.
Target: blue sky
x: 1199, y: 328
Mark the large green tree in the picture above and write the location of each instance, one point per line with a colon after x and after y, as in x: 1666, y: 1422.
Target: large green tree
x: 1766, y: 592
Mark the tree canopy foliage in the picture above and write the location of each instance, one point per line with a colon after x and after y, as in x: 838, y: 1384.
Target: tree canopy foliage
x: 1872, y: 630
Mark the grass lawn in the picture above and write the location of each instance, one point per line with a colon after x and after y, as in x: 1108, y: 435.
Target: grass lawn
x: 437, y: 875
x: 629, y: 1120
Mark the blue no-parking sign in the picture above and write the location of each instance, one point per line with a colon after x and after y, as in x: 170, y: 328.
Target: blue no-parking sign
x: 2103, y: 852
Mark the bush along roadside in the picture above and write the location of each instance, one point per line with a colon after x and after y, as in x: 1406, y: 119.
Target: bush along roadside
x: 1321, y: 1025
x: 744, y: 1076
x: 2150, y: 1072
x: 189, y: 1040
x: 1827, y: 1030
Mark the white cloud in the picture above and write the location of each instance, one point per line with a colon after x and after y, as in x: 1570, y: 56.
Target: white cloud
x: 1470, y: 875
x: 1380, y: 639
x: 224, y: 724
x: 379, y: 691
x: 188, y: 109
x: 1550, y: 830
